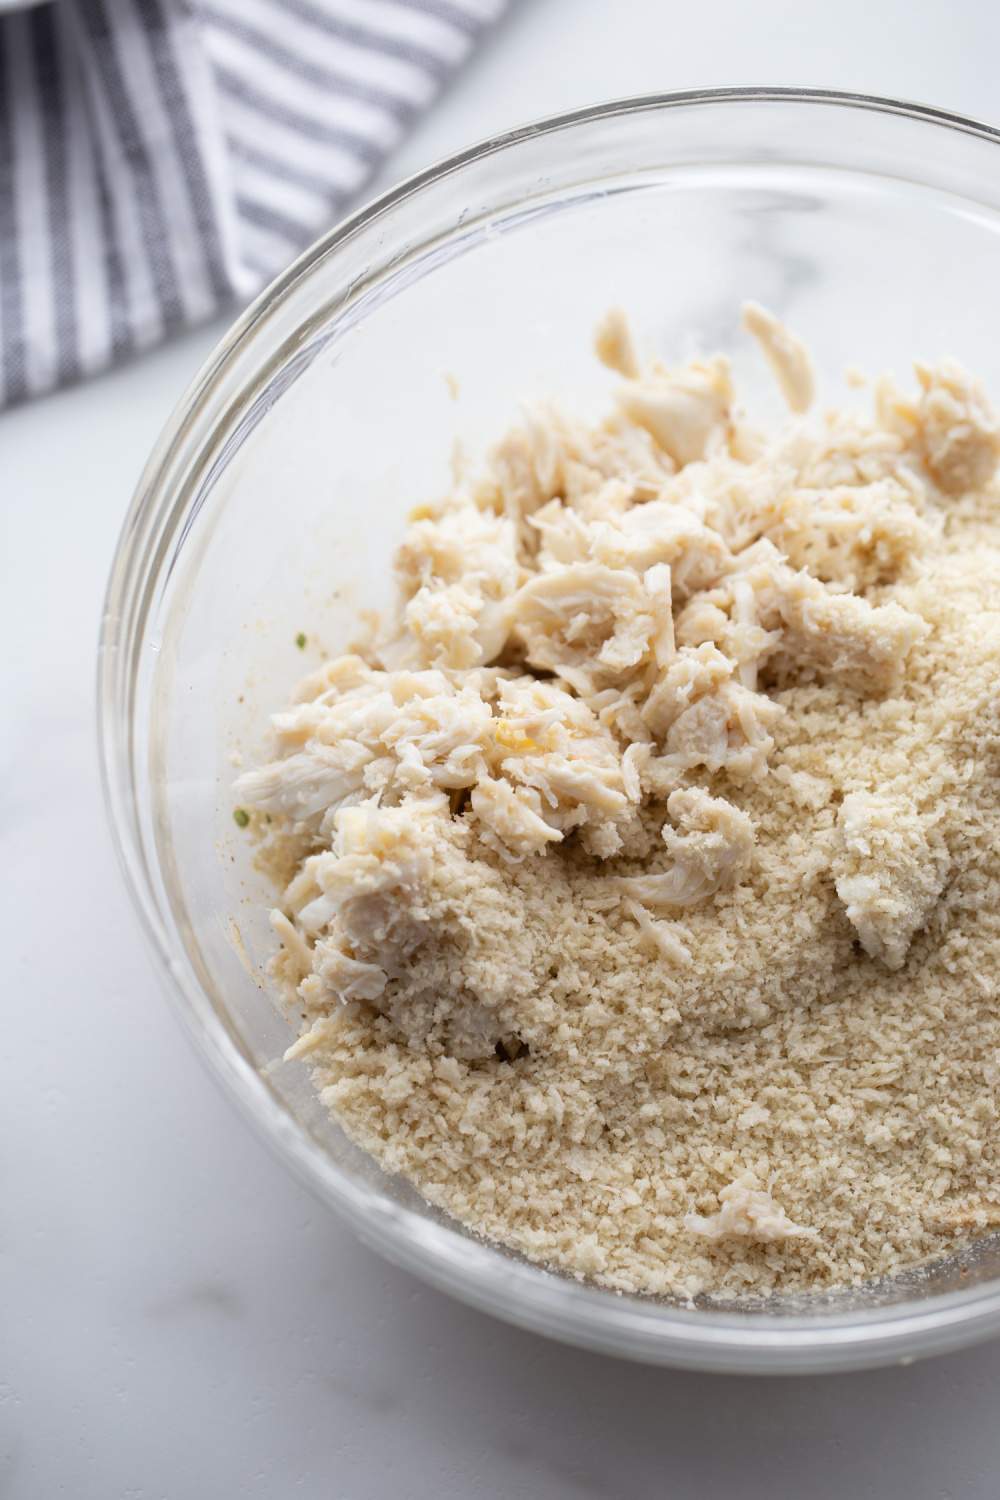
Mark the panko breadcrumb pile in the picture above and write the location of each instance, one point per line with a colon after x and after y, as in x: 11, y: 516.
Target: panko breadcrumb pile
x: 645, y: 896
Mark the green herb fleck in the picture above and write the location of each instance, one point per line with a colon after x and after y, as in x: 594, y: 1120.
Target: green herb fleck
x: 241, y: 817
x: 300, y: 640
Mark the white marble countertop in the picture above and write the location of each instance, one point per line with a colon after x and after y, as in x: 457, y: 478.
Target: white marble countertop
x: 179, y: 1318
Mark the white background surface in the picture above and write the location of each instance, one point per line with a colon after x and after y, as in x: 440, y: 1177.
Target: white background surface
x: 177, y: 1317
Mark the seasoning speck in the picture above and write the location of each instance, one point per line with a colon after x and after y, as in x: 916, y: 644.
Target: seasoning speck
x: 241, y: 817
x: 300, y: 640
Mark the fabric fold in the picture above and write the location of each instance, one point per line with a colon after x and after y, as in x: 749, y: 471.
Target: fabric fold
x: 160, y: 159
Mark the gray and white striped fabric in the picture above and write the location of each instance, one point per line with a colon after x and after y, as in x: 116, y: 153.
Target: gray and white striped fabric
x: 161, y: 158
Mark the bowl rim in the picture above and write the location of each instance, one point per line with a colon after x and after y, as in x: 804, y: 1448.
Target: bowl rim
x: 480, y: 1274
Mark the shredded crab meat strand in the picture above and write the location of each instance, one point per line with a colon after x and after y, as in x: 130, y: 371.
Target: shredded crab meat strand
x: 614, y: 345
x: 747, y: 1212
x: 657, y: 936
x: 786, y: 354
x: 711, y: 846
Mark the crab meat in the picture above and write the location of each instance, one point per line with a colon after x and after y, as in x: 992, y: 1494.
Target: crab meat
x: 747, y: 1212
x: 712, y: 846
x: 887, y: 873
x: 785, y: 353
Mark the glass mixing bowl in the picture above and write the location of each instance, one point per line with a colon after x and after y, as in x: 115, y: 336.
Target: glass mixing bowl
x: 273, y: 500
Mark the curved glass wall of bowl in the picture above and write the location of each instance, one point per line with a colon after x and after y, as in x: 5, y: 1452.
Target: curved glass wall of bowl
x: 274, y: 499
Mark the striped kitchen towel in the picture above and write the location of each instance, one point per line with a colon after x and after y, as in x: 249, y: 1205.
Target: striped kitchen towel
x: 161, y: 158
